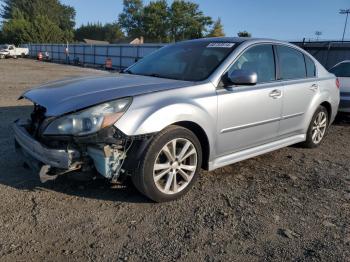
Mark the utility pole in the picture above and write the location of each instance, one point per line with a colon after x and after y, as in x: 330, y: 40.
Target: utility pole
x: 344, y: 12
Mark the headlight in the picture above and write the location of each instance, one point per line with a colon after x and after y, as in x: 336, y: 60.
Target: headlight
x: 90, y: 120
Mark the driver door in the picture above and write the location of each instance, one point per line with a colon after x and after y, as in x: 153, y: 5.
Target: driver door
x: 249, y: 116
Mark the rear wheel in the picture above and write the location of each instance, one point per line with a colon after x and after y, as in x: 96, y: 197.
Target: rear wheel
x: 318, y: 128
x: 170, y: 166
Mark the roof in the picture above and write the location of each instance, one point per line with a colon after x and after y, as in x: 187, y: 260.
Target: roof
x: 232, y: 39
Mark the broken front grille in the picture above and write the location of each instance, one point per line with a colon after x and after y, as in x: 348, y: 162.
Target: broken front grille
x: 37, y: 119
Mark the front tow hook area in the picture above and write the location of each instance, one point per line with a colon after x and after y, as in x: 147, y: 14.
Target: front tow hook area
x: 46, y: 174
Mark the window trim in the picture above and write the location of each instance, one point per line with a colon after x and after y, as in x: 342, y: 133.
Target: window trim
x: 277, y: 63
x: 315, y: 73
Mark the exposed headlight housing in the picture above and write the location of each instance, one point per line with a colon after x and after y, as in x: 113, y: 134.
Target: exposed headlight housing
x: 90, y: 120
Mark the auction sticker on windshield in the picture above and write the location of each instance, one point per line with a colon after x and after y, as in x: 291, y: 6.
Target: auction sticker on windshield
x: 221, y: 45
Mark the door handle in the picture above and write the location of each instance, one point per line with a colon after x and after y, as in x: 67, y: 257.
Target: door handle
x: 314, y: 87
x: 275, y: 94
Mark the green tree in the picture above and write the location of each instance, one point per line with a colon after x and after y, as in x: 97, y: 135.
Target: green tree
x: 217, y: 30
x: 187, y: 21
x: 41, y: 30
x: 113, y: 32
x: 16, y: 31
x: 22, y: 20
x: 156, y: 21
x: 97, y: 31
x: 162, y: 23
x: 131, y: 19
x: 62, y: 15
x: 244, y: 34
x: 46, y: 31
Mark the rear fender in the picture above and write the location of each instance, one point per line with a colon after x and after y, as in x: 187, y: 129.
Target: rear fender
x: 321, y: 98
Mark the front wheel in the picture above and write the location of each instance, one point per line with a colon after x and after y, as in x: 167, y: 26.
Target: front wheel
x: 170, y: 165
x: 318, y: 128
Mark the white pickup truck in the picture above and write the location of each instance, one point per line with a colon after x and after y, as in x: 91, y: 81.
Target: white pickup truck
x: 13, y: 51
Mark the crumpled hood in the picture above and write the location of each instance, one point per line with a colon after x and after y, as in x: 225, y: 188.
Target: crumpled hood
x: 70, y: 95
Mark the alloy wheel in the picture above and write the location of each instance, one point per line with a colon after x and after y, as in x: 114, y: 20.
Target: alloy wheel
x: 319, y: 127
x: 175, y: 166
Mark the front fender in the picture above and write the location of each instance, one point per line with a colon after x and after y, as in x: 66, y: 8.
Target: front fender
x: 150, y: 114
x: 163, y: 117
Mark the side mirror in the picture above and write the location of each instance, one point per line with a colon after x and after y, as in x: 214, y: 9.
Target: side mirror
x: 242, y: 77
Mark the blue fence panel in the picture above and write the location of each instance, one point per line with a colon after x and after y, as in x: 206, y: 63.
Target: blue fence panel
x: 95, y: 55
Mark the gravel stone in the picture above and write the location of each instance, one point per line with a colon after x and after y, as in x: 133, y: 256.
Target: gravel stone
x: 231, y: 214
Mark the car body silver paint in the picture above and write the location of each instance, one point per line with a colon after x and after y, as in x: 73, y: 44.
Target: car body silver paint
x: 239, y: 121
x: 61, y: 97
x: 242, y: 121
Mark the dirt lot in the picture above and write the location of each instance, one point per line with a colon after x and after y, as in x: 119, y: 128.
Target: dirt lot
x: 293, y: 204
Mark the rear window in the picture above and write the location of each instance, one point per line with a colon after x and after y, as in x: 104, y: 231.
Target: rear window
x: 292, y: 63
x: 341, y: 70
x: 310, y: 67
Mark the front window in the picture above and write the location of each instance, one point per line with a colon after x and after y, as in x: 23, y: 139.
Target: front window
x: 188, y: 61
x: 259, y: 59
x: 341, y: 70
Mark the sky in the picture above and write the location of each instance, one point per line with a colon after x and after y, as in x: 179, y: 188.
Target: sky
x: 279, y: 19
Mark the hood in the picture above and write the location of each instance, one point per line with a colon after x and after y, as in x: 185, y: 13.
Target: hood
x: 70, y: 95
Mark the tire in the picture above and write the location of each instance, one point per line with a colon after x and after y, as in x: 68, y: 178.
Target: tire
x: 2, y: 57
x: 315, y: 133
x: 159, y: 184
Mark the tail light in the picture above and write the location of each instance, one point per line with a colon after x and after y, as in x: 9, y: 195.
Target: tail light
x: 337, y: 82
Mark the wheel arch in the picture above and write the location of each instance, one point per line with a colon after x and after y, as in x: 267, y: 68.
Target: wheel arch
x: 328, y: 107
x: 202, y: 137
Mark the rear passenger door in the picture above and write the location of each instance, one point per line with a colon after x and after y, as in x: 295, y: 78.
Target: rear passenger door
x: 298, y: 75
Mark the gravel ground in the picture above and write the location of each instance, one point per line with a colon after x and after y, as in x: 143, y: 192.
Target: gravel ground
x: 292, y: 204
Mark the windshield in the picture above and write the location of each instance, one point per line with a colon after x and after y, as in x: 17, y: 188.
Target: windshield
x: 341, y: 70
x: 189, y: 61
x: 3, y: 47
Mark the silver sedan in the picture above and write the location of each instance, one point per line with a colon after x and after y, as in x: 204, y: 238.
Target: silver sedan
x: 203, y: 103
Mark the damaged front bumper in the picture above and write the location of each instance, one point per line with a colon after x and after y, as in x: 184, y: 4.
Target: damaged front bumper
x: 50, y: 163
x: 31, y: 148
